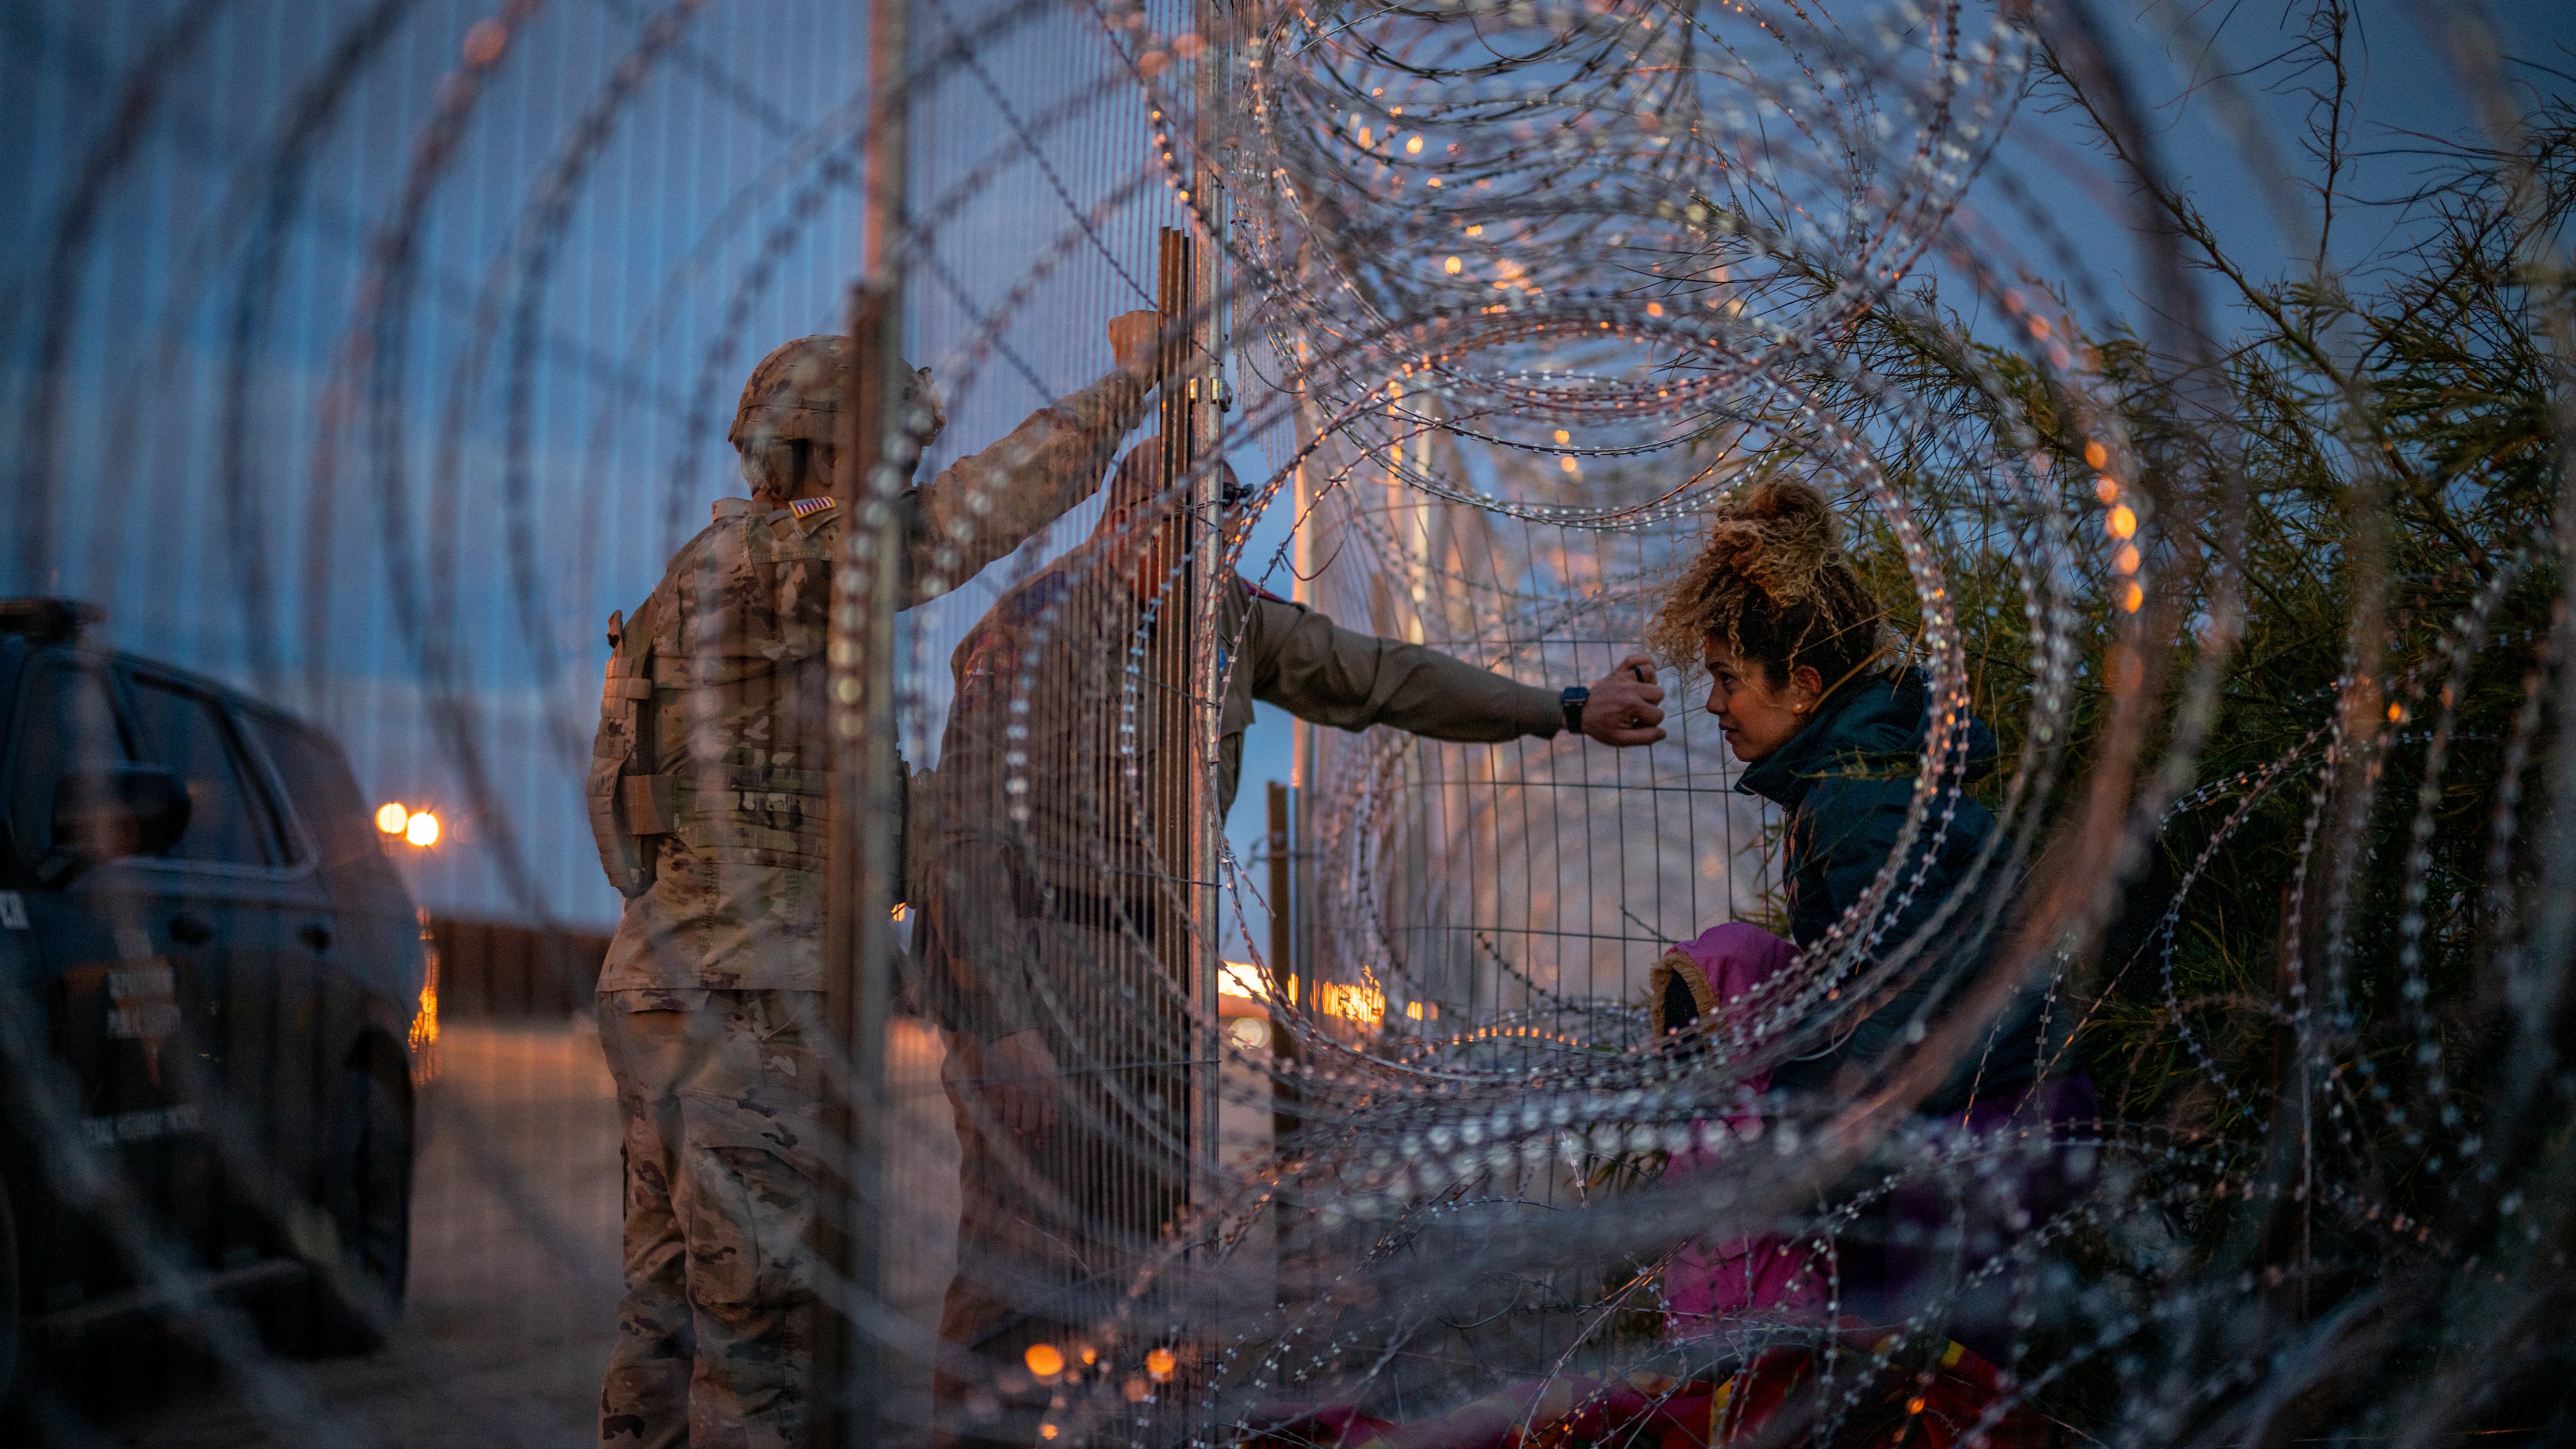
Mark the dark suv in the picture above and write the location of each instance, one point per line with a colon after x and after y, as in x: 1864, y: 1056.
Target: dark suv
x: 210, y: 977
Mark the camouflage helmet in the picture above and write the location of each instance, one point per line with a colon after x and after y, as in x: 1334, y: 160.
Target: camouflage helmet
x: 795, y: 394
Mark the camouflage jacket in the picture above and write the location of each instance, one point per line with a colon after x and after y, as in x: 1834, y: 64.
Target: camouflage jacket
x: 707, y: 787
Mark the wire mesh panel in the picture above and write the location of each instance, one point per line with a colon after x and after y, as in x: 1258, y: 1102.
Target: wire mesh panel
x: 1472, y: 724
x: 449, y: 309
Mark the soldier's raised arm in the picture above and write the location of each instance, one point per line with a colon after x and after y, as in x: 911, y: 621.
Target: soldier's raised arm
x: 979, y: 508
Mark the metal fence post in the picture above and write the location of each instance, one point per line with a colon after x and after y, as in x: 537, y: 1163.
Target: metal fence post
x: 867, y: 782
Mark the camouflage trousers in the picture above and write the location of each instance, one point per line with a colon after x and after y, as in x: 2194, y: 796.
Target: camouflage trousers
x: 715, y: 1335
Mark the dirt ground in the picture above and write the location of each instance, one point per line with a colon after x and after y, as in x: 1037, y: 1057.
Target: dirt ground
x: 513, y: 1277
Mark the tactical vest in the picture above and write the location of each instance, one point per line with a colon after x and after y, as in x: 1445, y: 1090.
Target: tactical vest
x: 727, y: 800
x: 629, y: 805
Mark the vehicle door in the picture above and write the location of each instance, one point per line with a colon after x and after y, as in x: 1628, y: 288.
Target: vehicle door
x: 130, y: 995
x: 254, y: 918
x: 359, y: 969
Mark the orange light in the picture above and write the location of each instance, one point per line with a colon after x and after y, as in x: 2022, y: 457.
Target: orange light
x: 1160, y: 1364
x: 2133, y: 598
x: 2097, y: 455
x: 1241, y: 978
x: 2107, y: 488
x: 2123, y: 521
x: 1914, y: 1405
x: 1413, y: 147
x: 421, y: 829
x: 391, y: 817
x: 424, y: 1023
x: 1654, y: 309
x: 2396, y: 713
x: 1363, y: 1004
x: 1045, y: 1360
x: 1453, y: 266
x: 1046, y: 1431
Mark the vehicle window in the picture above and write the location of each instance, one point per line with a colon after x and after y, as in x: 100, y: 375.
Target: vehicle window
x: 68, y: 721
x: 184, y: 733
x: 326, y: 797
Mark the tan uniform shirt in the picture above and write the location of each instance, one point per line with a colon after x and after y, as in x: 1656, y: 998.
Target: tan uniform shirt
x: 710, y: 755
x: 1042, y: 803
x: 1296, y: 658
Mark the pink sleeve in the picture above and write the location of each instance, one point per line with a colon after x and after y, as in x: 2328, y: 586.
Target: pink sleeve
x: 1737, y: 958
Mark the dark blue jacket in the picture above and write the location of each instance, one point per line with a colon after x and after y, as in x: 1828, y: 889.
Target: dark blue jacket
x: 1845, y: 782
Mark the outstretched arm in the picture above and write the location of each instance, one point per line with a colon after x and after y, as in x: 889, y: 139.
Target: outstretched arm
x: 1306, y: 664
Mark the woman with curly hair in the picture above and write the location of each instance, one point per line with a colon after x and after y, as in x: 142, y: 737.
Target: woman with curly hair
x: 1811, y: 689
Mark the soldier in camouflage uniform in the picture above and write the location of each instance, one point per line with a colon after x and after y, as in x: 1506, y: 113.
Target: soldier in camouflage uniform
x: 1038, y: 866
x: 707, y: 794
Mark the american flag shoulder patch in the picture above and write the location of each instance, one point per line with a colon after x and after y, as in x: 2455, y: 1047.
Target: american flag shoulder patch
x: 808, y: 507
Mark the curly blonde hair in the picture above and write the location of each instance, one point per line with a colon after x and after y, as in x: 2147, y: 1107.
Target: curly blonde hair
x: 1774, y: 583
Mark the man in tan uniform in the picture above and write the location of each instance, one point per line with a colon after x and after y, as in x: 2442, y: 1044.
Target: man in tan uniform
x: 1045, y: 910
x: 707, y: 795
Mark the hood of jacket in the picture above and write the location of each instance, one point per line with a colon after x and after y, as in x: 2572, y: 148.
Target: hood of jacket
x: 1875, y: 725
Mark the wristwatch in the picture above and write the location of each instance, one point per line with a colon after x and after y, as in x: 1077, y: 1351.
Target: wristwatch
x: 1572, y: 702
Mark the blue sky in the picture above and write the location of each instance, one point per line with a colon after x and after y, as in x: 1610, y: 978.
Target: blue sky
x: 709, y: 223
